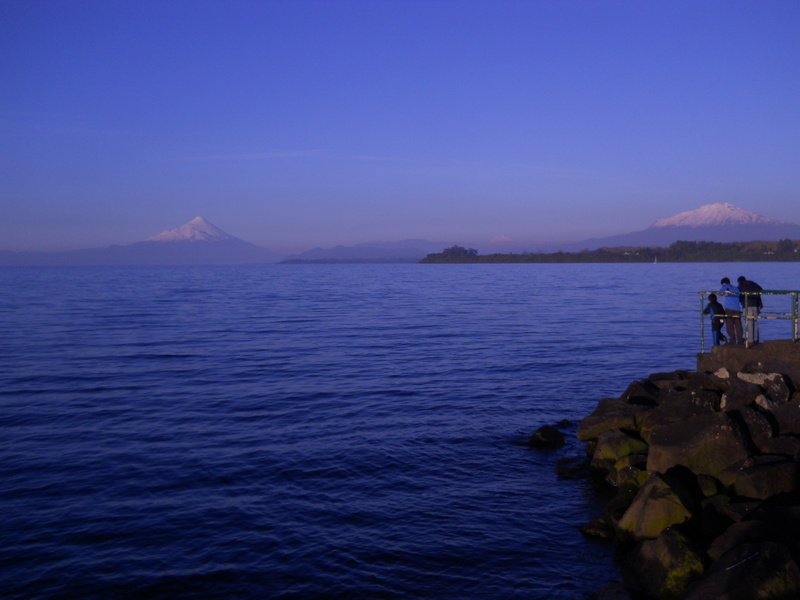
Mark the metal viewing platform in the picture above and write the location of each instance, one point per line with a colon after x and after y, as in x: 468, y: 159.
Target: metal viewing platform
x: 791, y: 314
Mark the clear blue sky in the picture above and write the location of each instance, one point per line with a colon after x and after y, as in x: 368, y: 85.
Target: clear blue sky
x: 303, y: 123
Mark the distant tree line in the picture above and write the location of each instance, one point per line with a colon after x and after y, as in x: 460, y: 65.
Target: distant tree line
x: 781, y: 251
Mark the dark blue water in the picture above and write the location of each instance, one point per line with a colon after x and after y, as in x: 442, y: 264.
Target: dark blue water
x: 318, y: 431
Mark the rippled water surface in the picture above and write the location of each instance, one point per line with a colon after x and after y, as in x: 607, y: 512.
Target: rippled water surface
x: 343, y: 431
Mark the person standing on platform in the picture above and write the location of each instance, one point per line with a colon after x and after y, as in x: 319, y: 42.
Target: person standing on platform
x: 750, y: 299
x: 733, y: 311
x: 717, y: 313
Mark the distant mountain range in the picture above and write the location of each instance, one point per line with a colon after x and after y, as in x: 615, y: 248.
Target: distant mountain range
x: 198, y: 242
x: 710, y: 223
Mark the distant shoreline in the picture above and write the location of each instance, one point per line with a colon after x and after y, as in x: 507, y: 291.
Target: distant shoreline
x: 767, y: 251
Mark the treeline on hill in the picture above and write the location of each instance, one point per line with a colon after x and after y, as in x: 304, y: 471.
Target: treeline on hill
x: 780, y: 251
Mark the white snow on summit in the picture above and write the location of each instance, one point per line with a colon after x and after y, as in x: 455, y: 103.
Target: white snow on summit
x: 714, y: 215
x: 196, y: 230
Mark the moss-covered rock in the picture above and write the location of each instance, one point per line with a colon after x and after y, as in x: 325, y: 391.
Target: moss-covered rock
x: 667, y: 565
x: 707, y: 469
x: 661, y: 502
x: 611, y: 413
x: 617, y: 443
x: 706, y: 444
x: 630, y: 470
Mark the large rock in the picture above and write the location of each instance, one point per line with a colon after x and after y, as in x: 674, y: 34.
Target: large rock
x: 790, y: 369
x: 663, y: 501
x: 613, y: 445
x: 670, y: 380
x: 718, y: 381
x: 764, y: 570
x: 666, y: 565
x: 787, y: 445
x: 721, y: 481
x: 746, y: 532
x: 762, y: 477
x: 787, y: 417
x: 546, y: 437
x: 741, y: 393
x: 776, y: 388
x: 758, y: 424
x: 641, y: 392
x: 601, y: 528
x: 630, y: 471
x: 706, y: 444
x: 611, y: 413
x: 678, y: 405
x: 720, y: 510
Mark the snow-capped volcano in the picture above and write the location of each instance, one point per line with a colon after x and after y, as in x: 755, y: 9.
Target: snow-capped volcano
x: 720, y: 222
x: 196, y: 230
x: 715, y: 215
x: 196, y: 243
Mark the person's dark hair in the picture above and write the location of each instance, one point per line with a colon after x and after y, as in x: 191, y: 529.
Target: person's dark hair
x: 712, y: 297
x: 742, y: 278
x: 725, y: 280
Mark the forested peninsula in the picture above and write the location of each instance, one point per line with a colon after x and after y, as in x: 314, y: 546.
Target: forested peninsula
x: 768, y: 251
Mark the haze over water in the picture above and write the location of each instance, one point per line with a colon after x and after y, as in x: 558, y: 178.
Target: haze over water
x: 322, y: 431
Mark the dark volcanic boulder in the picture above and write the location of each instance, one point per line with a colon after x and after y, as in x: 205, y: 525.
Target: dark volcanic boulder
x: 720, y: 510
x: 602, y: 528
x: 641, y: 392
x: 741, y: 393
x: 787, y: 445
x: 666, y: 565
x: 759, y: 425
x: 611, y: 413
x: 762, y: 477
x: 546, y: 437
x: 789, y: 369
x: 678, y: 405
x: 707, y: 471
x: 749, y: 572
x: 670, y: 380
x: 746, y: 532
x: 776, y: 389
x: 706, y: 444
x: 615, y: 444
x: 663, y: 501
x: 630, y: 471
x: 787, y: 418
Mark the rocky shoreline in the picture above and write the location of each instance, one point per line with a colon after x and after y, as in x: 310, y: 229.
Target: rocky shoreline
x: 706, y: 471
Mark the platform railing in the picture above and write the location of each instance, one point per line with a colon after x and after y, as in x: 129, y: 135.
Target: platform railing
x: 793, y: 315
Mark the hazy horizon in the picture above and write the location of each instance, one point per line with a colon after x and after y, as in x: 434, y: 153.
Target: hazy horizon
x: 300, y: 124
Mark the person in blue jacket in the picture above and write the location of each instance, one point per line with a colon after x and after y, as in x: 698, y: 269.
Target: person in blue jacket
x: 717, y: 313
x: 733, y: 311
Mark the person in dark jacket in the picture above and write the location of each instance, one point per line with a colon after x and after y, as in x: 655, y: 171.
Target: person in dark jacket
x: 750, y: 299
x: 717, y: 313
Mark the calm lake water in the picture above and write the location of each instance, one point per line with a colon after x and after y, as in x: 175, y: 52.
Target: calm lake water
x: 320, y: 431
